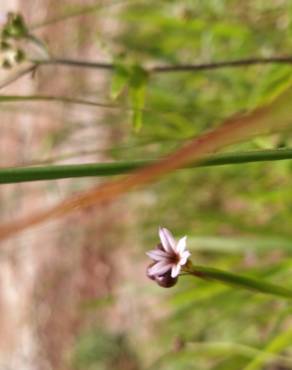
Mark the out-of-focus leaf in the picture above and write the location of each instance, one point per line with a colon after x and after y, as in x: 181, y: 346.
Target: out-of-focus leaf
x: 120, y: 78
x: 136, y: 78
x: 192, y: 350
x: 268, y: 84
x: 15, y: 26
x: 137, y: 82
x: 276, y: 346
x: 235, y: 245
x: 138, y: 101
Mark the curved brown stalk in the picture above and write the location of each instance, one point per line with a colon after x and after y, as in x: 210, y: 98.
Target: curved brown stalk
x: 275, y: 116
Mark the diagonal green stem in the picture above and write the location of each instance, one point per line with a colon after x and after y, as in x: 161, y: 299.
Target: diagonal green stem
x: 239, y: 281
x: 52, y: 172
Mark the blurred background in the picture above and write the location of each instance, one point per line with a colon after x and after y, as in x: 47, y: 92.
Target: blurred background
x: 73, y: 292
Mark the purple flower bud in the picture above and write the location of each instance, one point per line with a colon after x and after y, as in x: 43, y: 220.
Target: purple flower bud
x: 165, y: 280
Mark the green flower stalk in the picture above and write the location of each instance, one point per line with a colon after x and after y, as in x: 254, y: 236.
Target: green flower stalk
x: 237, y: 281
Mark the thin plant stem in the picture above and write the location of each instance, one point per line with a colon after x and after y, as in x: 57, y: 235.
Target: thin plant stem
x: 108, y: 66
x: 70, y: 100
x: 74, y: 63
x: 222, y: 64
x: 60, y: 99
x: 16, y: 76
x: 53, y: 172
x: 171, y: 68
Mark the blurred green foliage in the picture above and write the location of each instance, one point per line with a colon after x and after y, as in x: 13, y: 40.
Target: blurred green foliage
x: 99, y: 350
x: 249, y: 202
x: 237, y: 217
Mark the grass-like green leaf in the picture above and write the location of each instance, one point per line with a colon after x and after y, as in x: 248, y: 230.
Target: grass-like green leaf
x: 120, y: 78
x: 215, y: 349
x: 276, y: 346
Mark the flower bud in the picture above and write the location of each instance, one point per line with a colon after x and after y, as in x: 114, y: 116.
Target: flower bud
x: 165, y: 280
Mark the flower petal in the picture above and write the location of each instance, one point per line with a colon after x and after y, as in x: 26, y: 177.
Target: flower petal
x: 159, y: 268
x: 167, y: 239
x: 184, y: 258
x: 175, y: 270
x: 181, y: 245
x: 157, y: 255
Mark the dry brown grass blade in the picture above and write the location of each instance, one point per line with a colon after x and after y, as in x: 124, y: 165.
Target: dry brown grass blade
x: 260, y: 121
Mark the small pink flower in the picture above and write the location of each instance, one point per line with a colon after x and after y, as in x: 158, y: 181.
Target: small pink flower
x: 169, y: 256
